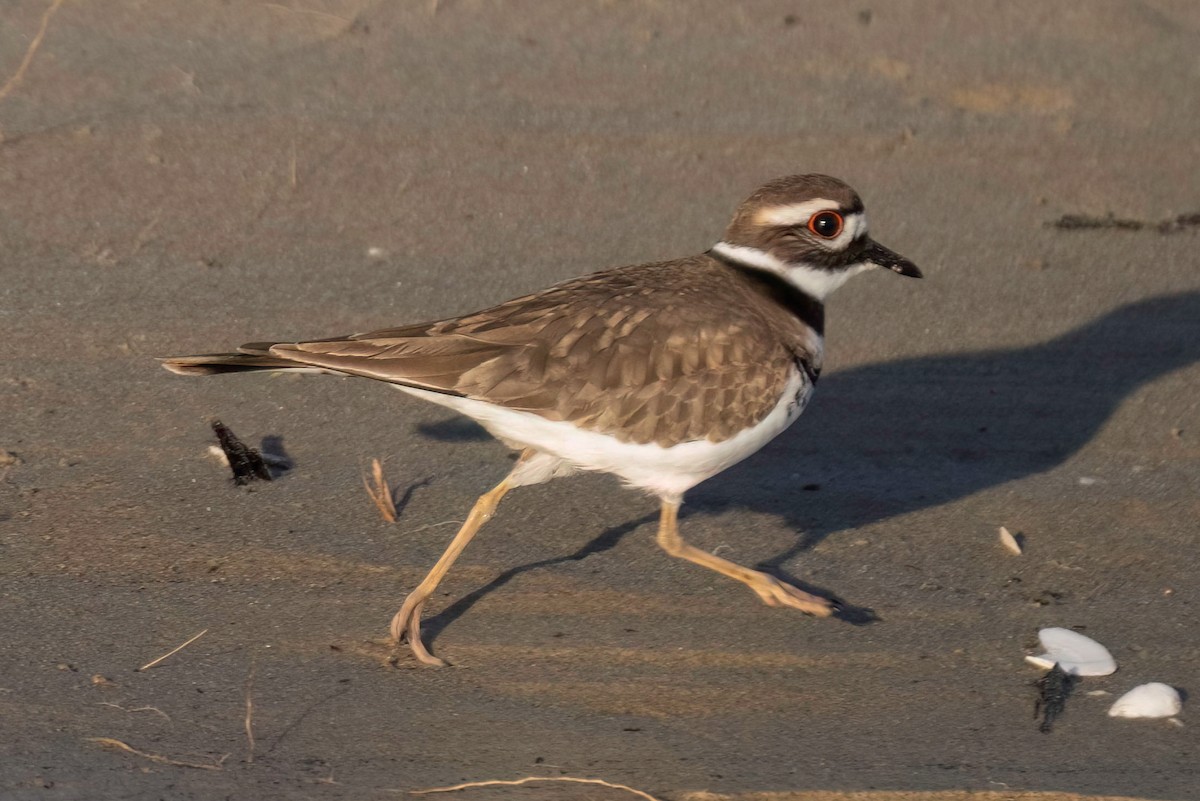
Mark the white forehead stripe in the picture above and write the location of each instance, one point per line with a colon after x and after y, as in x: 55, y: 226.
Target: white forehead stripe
x: 794, y: 213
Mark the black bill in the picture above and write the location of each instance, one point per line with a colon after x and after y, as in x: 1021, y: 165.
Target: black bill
x: 880, y: 256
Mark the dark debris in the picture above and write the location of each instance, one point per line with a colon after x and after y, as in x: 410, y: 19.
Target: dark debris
x: 246, y: 463
x: 1083, y: 222
x: 854, y: 615
x: 1053, y: 690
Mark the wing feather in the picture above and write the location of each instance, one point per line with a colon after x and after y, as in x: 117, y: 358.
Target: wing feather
x: 625, y: 352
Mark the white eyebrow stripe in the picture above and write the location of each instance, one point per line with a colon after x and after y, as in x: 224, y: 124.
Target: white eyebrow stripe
x: 793, y: 213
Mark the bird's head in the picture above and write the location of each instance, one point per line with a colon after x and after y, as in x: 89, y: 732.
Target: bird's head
x: 809, y: 229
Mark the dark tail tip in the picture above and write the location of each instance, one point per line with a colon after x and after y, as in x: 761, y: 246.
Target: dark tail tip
x: 215, y: 363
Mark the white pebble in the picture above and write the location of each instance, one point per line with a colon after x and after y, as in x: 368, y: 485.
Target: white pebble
x: 1153, y: 700
x: 1074, y: 653
x: 218, y: 454
x: 1013, y: 544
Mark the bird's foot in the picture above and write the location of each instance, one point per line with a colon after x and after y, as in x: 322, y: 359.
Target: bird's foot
x: 406, y: 625
x: 774, y: 592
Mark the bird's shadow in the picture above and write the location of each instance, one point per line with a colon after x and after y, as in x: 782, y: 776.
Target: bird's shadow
x: 279, y: 462
x: 454, y: 429
x: 888, y: 439
x: 893, y: 438
x: 432, y: 626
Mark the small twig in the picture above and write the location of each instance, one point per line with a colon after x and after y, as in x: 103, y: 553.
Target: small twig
x: 324, y: 14
x: 143, y: 236
x: 379, y: 492
x: 250, y: 714
x: 137, y: 709
x: 126, y: 747
x: 189, y: 80
x: 293, y: 164
x: 527, y: 779
x: 172, y: 652
x: 12, y: 82
x: 419, y: 529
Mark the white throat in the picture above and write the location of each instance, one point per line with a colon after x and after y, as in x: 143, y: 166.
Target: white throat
x: 813, y: 281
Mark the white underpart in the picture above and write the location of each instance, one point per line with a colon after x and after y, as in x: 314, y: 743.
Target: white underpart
x: 814, y: 281
x: 667, y: 472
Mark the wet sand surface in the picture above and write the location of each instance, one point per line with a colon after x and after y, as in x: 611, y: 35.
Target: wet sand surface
x: 181, y: 177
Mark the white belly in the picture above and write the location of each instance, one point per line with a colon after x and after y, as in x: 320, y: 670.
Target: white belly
x: 666, y: 472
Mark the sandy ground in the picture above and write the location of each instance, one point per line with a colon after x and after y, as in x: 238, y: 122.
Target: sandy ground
x: 180, y: 177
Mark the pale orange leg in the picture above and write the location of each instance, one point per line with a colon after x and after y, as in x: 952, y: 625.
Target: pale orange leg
x: 407, y: 622
x: 771, y: 590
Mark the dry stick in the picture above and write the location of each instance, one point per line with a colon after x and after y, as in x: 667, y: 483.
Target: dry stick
x: 12, y: 82
x: 172, y: 652
x: 419, y: 529
x: 250, y: 714
x: 326, y: 15
x: 380, y: 492
x: 137, y: 709
x: 143, y: 236
x: 111, y: 743
x: 527, y: 779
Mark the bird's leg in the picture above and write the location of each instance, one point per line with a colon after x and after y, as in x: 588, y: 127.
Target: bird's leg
x: 771, y: 590
x: 407, y: 622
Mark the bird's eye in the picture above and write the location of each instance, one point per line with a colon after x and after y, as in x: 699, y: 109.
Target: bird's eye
x: 825, y: 224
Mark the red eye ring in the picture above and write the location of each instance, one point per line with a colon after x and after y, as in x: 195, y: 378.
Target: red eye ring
x: 826, y: 224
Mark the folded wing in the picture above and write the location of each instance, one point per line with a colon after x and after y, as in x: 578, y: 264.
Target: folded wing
x: 614, y: 353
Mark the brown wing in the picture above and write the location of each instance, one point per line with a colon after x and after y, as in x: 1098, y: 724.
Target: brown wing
x: 662, y: 353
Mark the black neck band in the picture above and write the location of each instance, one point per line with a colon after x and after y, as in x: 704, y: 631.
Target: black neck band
x: 778, y: 290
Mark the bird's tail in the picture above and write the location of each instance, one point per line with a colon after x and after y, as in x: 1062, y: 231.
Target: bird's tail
x: 249, y: 358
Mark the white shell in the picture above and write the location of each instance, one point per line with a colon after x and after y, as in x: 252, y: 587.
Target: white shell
x: 1074, y: 653
x: 1010, y: 542
x: 218, y: 454
x: 1153, y: 700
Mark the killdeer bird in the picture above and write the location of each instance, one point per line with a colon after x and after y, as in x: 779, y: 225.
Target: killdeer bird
x: 663, y: 374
